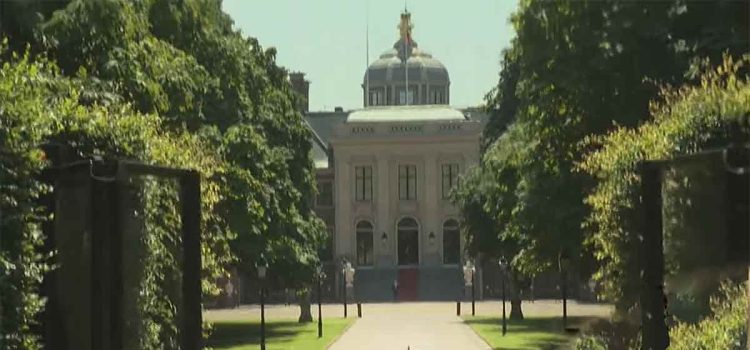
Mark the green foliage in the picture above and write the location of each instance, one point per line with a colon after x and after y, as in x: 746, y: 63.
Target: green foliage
x: 726, y: 328
x: 686, y: 120
x: 163, y: 82
x: 39, y: 105
x: 184, y: 61
x: 576, y: 69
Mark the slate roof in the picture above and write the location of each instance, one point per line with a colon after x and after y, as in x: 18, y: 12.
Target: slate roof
x: 322, y: 125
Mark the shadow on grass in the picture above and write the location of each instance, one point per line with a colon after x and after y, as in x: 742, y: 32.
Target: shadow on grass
x: 545, y: 333
x: 227, y: 334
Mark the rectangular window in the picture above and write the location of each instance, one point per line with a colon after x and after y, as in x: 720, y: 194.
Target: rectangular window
x: 376, y: 98
x: 326, y: 251
x: 402, y: 98
x: 407, y: 182
x: 450, y: 178
x: 363, y: 177
x: 437, y: 97
x: 325, y: 194
x: 364, y: 248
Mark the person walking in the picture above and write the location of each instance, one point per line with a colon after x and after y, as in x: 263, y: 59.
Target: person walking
x: 395, y: 289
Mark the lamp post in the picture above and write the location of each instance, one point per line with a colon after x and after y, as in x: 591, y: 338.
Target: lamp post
x: 262, y: 270
x: 469, y: 280
x: 321, y: 276
x: 503, y: 267
x: 343, y: 282
x: 564, y: 262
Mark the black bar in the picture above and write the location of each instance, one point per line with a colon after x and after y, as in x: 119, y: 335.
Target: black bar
x: 359, y: 310
x: 564, y: 288
x: 262, y: 318
x: 343, y: 279
x: 146, y: 169
x: 502, y: 285
x: 654, y: 329
x: 473, y: 284
x: 320, y: 312
x: 190, y: 198
x: 458, y: 308
x: 96, y: 216
x: 117, y: 276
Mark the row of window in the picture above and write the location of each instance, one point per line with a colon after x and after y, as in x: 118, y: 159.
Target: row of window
x: 376, y: 97
x: 407, y: 181
x: 407, y: 226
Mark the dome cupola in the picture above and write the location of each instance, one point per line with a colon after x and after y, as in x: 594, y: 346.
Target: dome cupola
x: 406, y: 75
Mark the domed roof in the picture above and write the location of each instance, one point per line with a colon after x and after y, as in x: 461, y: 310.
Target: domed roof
x: 389, y: 68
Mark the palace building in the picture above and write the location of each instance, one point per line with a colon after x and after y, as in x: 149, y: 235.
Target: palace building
x: 385, y: 172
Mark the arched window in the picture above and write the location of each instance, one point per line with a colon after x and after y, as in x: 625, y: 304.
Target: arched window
x: 451, y: 242
x: 408, y: 242
x: 364, y: 243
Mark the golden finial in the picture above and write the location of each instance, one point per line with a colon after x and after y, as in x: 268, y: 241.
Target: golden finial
x: 405, y: 26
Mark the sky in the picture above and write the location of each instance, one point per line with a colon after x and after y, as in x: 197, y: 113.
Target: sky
x: 326, y: 39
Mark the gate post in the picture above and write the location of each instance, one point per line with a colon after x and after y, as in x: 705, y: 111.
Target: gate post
x: 655, y: 335
x: 190, y: 198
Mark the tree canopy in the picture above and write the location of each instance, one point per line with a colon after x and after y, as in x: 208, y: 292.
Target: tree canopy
x: 577, y: 69
x: 193, y: 92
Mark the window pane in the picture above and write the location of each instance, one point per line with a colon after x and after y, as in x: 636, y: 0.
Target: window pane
x: 363, y: 183
x: 451, y: 243
x: 412, y: 188
x: 325, y: 194
x: 364, y: 247
x: 402, y: 188
x: 368, y: 189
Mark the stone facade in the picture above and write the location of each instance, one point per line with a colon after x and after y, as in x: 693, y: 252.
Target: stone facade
x: 384, y: 175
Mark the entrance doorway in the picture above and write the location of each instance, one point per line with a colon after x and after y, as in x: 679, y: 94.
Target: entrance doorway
x: 408, y: 242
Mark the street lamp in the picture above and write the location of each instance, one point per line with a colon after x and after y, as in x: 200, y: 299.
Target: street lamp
x: 321, y: 276
x: 262, y: 268
x: 469, y: 280
x: 384, y: 240
x: 564, y: 262
x: 431, y: 238
x: 503, y: 268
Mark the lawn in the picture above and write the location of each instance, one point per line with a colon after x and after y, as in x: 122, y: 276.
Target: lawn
x: 533, y: 333
x: 280, y: 334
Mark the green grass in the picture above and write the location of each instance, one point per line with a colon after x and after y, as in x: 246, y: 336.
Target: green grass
x: 533, y: 333
x: 280, y: 334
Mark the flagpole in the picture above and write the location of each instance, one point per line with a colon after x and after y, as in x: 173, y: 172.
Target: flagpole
x: 367, y: 53
x: 406, y: 54
x: 406, y: 51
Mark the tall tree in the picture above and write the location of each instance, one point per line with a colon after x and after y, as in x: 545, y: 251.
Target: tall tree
x: 575, y: 69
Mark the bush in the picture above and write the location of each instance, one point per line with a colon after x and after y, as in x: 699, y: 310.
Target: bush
x: 609, y: 334
x: 726, y: 328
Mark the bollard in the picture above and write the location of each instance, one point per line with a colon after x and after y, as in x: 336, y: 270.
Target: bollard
x: 458, y: 308
x: 359, y: 309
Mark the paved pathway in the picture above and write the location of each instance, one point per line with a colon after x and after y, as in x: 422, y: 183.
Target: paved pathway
x: 418, y: 326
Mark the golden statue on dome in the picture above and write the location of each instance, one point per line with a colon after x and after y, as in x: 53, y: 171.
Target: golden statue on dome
x: 405, y: 27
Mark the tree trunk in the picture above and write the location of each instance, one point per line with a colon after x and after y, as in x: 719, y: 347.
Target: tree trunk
x: 305, y: 315
x: 515, y: 297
